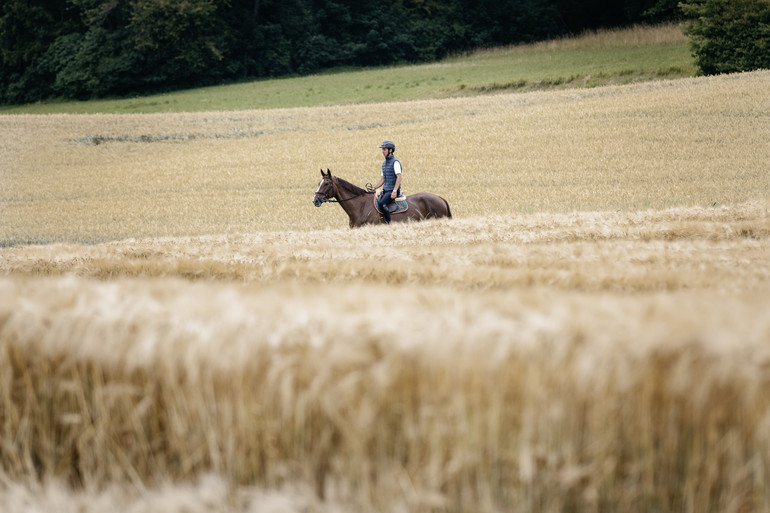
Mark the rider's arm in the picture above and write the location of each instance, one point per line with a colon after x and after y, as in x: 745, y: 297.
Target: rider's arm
x: 379, y: 184
x: 395, y: 189
x: 397, y: 169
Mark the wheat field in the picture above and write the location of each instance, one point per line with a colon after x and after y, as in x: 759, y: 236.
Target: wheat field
x: 95, y: 178
x: 182, y: 331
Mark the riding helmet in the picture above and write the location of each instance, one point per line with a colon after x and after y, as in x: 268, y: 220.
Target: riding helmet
x: 388, y: 144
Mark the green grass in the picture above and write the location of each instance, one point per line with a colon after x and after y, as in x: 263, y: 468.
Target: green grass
x: 593, y: 59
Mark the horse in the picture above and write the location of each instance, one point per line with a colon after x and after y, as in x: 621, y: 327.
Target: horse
x: 358, y: 203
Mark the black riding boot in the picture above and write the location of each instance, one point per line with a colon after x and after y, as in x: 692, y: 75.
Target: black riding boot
x: 384, y: 201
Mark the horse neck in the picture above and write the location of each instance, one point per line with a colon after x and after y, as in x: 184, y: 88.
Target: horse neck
x: 353, y: 200
x: 346, y: 189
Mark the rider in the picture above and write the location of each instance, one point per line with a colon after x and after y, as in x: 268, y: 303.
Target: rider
x: 390, y: 179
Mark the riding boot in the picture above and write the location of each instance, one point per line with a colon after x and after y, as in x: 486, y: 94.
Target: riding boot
x: 383, y: 202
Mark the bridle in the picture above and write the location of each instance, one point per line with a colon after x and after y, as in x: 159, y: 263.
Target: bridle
x: 325, y: 198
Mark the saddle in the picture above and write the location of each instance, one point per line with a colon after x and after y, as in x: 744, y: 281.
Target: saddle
x: 397, y: 206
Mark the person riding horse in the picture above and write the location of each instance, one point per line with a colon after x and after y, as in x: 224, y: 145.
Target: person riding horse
x: 358, y: 203
x: 390, y: 179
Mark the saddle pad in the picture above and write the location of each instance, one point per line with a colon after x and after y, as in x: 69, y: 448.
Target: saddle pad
x: 400, y: 204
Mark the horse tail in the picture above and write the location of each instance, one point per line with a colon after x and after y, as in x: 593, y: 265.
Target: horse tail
x: 448, y: 212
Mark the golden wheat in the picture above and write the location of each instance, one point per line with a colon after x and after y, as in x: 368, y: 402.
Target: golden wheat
x: 589, y: 332
x: 538, y: 362
x: 526, y: 400
x: 105, y: 177
x: 724, y: 247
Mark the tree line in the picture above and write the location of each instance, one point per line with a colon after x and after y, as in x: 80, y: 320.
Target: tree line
x: 81, y: 49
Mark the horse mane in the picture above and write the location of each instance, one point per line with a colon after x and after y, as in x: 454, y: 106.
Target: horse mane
x: 350, y: 187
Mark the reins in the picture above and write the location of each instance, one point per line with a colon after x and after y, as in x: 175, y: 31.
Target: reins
x: 369, y: 190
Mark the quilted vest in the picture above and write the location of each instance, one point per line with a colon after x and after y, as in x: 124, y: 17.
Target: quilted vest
x: 389, y: 174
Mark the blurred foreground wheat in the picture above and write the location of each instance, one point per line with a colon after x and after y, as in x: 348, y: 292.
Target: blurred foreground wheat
x: 524, y: 401
x: 538, y: 363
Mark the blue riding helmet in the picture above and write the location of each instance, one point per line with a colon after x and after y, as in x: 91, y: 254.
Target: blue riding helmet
x: 389, y: 145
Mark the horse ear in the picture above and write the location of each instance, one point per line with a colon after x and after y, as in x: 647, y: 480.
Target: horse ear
x: 322, y: 173
x: 329, y: 171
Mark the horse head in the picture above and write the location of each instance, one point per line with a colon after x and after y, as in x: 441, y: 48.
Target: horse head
x: 325, y: 189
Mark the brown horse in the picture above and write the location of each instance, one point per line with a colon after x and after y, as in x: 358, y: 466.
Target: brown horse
x: 358, y: 203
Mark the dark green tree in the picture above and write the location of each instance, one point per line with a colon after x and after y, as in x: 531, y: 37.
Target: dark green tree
x: 96, y: 48
x: 655, y: 11
x: 179, y: 42
x: 94, y: 59
x: 27, y: 29
x: 729, y: 35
